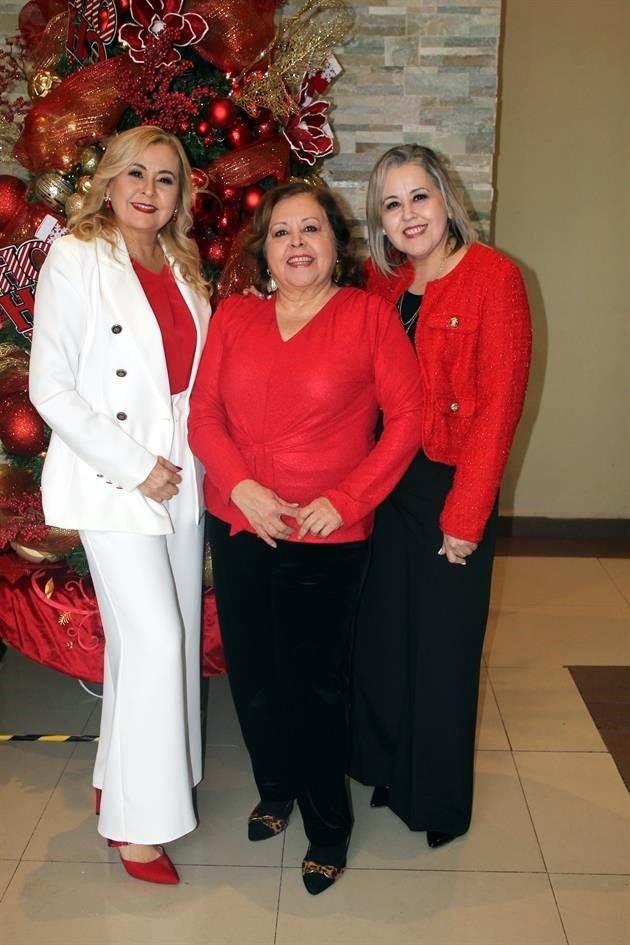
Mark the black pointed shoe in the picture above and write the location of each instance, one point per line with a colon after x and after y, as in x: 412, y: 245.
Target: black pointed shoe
x: 322, y: 866
x: 380, y: 796
x: 435, y: 838
x: 268, y: 819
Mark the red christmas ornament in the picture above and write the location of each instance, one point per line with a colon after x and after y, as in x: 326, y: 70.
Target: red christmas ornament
x: 209, y: 140
x: 12, y: 191
x: 123, y: 5
x: 261, y: 116
x: 103, y: 19
x: 221, y: 113
x: 252, y: 197
x: 239, y: 136
x: 202, y: 128
x: 217, y: 250
x: 21, y: 427
x: 205, y: 211
x: 266, y: 130
x: 183, y: 127
x: 231, y: 195
x: 229, y: 220
x: 198, y: 178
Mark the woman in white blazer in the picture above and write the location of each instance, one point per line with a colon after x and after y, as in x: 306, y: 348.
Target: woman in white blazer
x: 120, y: 320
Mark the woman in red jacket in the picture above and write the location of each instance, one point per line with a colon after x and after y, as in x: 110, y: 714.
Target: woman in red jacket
x: 424, y: 609
x: 283, y: 416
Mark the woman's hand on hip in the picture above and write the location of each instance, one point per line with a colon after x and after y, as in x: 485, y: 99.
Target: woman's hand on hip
x: 263, y: 509
x: 162, y: 481
x: 319, y: 517
x: 456, y: 549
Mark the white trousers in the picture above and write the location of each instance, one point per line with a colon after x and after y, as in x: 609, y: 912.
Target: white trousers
x: 148, y: 589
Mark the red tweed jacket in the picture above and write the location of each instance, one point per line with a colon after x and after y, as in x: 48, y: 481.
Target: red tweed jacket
x: 473, y: 344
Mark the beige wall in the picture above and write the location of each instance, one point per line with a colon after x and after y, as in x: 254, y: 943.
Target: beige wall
x: 563, y: 212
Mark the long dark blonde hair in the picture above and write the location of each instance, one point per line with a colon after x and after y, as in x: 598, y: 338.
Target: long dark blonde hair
x: 95, y: 220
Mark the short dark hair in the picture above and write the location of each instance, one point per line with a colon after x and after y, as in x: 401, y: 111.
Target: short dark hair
x: 348, y: 270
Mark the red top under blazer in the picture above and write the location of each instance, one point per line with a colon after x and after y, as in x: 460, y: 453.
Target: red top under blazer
x: 474, y: 345
x: 179, y: 335
x: 298, y: 416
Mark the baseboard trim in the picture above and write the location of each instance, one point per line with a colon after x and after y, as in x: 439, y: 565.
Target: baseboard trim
x: 564, y: 537
x: 525, y: 526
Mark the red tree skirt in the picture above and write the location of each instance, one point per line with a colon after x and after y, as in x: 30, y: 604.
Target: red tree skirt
x: 50, y: 615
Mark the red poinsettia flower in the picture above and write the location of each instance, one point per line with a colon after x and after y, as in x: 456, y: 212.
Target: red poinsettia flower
x: 152, y: 17
x: 309, y: 133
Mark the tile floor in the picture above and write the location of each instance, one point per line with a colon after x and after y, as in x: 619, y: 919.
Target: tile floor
x: 546, y: 862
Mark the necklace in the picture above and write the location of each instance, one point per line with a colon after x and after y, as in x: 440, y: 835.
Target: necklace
x: 408, y: 323
x: 411, y: 320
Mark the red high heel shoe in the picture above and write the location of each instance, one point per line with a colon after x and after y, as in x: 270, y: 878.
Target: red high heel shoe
x: 160, y: 870
x: 97, y: 800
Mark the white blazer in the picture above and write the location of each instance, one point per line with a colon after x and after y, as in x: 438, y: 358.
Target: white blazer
x: 98, y: 377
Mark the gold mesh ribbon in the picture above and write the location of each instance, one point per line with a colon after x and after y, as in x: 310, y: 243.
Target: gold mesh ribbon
x: 239, y: 270
x: 85, y: 107
x: 249, y: 165
x: 302, y: 42
x: 51, y: 46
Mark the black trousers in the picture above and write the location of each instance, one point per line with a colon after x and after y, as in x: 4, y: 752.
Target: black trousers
x: 420, y: 634
x: 286, y: 618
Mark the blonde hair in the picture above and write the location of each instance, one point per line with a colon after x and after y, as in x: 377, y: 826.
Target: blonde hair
x: 461, y: 231
x: 94, y: 220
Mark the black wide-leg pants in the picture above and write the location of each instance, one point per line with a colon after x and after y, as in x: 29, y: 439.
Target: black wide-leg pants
x: 286, y: 619
x: 420, y: 630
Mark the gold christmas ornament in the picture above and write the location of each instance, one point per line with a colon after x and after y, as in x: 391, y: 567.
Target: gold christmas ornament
x: 52, y: 189
x: 41, y: 83
x: 90, y: 158
x: 74, y: 203
x: 84, y: 183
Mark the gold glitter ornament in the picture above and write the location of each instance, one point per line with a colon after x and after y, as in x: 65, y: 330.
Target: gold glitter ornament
x: 84, y: 183
x: 74, y: 203
x: 90, y: 159
x: 52, y: 189
x: 41, y: 83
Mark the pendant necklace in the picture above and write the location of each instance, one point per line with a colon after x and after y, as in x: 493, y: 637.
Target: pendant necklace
x: 409, y: 322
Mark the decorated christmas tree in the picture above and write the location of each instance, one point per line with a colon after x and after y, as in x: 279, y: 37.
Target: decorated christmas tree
x: 241, y: 87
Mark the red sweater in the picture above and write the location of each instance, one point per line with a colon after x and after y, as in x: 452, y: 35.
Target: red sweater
x: 473, y: 344
x: 298, y: 416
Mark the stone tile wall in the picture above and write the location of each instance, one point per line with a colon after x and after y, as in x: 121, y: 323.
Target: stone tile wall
x: 424, y: 71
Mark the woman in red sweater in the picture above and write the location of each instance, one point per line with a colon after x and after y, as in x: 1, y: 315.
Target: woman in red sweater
x: 423, y: 613
x: 283, y: 416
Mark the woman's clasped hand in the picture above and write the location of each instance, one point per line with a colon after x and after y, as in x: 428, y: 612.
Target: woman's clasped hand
x: 162, y: 482
x: 266, y: 513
